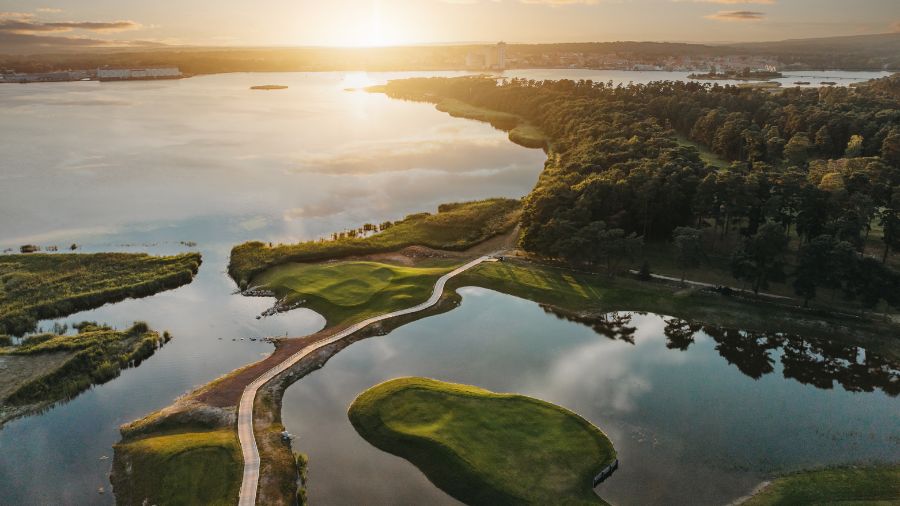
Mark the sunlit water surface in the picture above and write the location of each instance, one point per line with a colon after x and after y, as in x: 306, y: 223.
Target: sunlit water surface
x: 143, y: 166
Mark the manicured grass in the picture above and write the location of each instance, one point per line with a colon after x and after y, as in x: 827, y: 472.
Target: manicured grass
x: 38, y: 286
x: 482, y: 447
x: 597, y: 294
x: 845, y: 486
x: 351, y: 291
x: 179, y: 469
x: 93, y: 356
x: 520, y: 130
x: 454, y: 227
x: 705, y: 154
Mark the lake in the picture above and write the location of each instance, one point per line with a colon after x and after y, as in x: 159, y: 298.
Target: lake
x: 697, y: 417
x: 157, y: 166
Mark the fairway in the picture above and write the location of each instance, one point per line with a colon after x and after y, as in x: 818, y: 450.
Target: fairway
x: 351, y: 291
x: 482, y: 447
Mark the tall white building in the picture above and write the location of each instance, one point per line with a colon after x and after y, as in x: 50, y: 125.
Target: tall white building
x: 501, y: 56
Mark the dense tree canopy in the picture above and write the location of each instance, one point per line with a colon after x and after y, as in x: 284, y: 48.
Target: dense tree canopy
x: 813, y: 161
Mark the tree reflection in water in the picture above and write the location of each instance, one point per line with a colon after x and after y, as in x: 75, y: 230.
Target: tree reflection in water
x: 811, y: 361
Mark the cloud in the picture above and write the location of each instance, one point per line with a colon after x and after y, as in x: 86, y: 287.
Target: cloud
x: 22, y: 31
x: 25, y: 23
x: 48, y: 10
x: 737, y: 16
x: 533, y: 2
x: 729, y: 2
x: 895, y: 27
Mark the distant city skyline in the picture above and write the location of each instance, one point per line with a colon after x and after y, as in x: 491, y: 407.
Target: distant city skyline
x: 412, y: 22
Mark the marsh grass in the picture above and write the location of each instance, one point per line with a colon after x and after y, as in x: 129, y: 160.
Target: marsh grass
x: 39, y: 286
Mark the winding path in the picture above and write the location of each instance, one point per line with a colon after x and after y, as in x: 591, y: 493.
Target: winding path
x: 250, y: 481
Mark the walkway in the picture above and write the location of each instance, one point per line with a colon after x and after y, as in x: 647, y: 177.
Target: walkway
x: 250, y: 481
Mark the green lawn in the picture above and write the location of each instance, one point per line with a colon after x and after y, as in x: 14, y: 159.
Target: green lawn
x: 598, y: 294
x: 190, y: 468
x: 455, y: 227
x: 845, y: 486
x: 345, y: 292
x: 705, y: 154
x: 482, y: 447
x: 38, y: 286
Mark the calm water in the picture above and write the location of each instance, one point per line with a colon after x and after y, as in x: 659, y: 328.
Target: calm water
x: 144, y: 166
x: 695, y: 426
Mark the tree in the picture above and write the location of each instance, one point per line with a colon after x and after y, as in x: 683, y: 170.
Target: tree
x: 761, y: 257
x: 873, y: 282
x: 613, y: 246
x: 854, y: 147
x: 824, y: 142
x: 689, y: 250
x: 797, y: 149
x: 890, y: 224
x: 823, y: 262
x: 890, y: 148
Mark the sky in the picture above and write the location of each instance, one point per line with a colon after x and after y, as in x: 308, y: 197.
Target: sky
x: 406, y: 22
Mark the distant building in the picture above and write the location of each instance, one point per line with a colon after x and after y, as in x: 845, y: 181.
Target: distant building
x: 490, y: 58
x: 475, y: 61
x: 138, y: 74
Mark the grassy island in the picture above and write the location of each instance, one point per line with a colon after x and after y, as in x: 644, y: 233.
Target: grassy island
x: 454, y: 227
x: 48, y: 368
x: 483, y: 447
x: 843, y: 485
x: 38, y: 286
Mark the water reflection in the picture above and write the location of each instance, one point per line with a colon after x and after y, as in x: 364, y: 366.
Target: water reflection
x: 724, y: 412
x: 817, y: 362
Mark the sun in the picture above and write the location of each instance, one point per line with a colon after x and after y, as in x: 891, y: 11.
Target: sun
x: 368, y: 29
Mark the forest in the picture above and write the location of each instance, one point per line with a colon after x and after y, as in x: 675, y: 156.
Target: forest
x: 806, y: 191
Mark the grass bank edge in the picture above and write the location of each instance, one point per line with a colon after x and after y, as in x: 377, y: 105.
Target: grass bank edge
x: 870, y: 485
x: 442, y: 464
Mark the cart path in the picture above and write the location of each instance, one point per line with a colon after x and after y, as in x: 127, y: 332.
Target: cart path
x: 250, y: 480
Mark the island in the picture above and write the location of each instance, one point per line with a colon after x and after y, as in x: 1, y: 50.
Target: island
x: 483, y: 447
x: 42, y: 286
x: 47, y: 368
x: 269, y: 87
